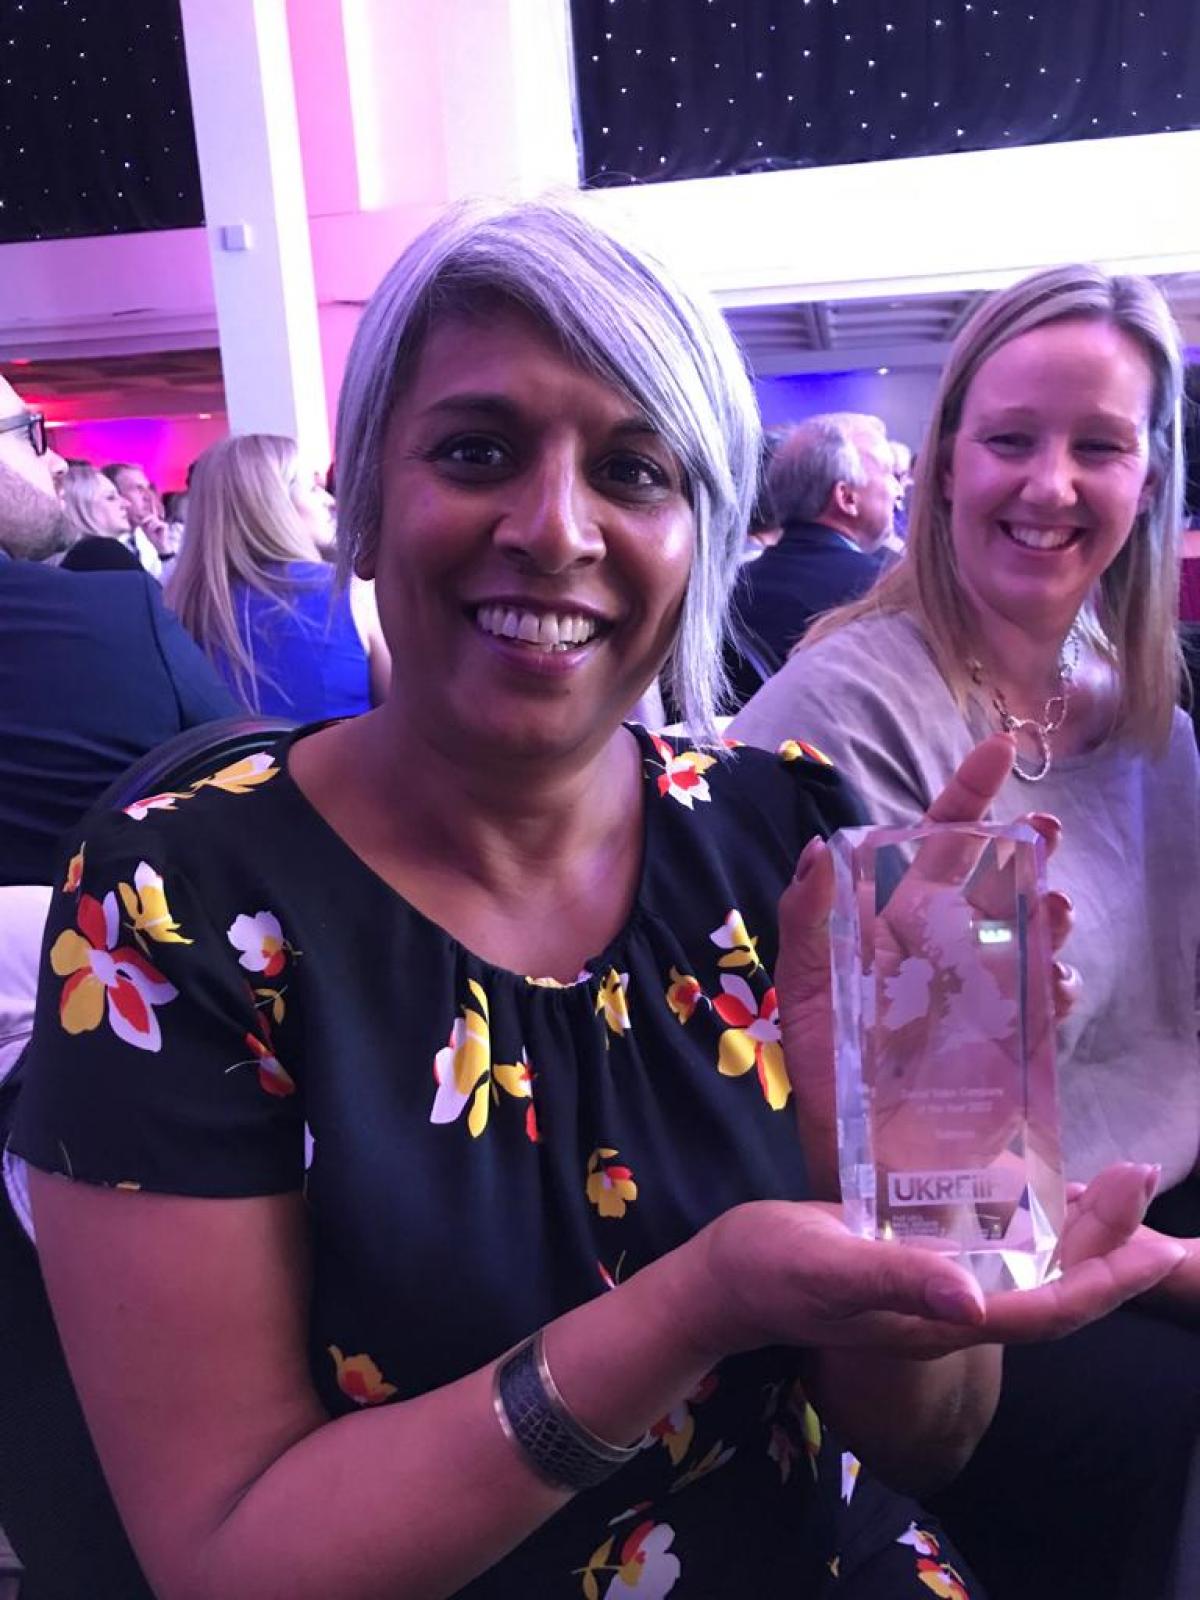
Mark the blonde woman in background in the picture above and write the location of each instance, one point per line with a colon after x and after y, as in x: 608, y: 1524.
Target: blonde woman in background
x: 98, y: 520
x: 253, y: 588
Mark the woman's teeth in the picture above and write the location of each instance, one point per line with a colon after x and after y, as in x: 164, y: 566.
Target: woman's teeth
x: 1039, y: 538
x: 546, y: 630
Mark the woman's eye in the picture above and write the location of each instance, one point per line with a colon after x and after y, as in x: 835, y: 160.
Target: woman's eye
x: 1009, y: 441
x: 634, y: 472
x: 473, y: 451
x: 1098, y: 447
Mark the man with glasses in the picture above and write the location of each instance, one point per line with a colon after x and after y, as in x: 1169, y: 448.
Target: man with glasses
x: 31, y: 476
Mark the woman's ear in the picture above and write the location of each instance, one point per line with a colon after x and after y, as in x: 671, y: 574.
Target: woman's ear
x: 363, y: 565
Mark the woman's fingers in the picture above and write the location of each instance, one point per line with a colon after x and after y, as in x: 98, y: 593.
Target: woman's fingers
x: 1059, y: 912
x: 1048, y: 826
x: 970, y: 792
x: 1109, y: 1211
x: 1067, y: 986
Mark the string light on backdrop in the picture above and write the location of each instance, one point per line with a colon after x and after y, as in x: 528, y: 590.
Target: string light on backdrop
x: 95, y: 119
x: 672, y: 89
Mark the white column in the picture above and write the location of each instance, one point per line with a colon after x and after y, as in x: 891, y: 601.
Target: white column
x: 244, y: 109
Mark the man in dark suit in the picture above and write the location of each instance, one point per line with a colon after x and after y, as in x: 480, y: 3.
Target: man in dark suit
x: 94, y: 670
x: 832, y: 481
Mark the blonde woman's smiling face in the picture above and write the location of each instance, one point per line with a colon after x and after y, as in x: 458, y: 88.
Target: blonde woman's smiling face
x: 1049, y: 469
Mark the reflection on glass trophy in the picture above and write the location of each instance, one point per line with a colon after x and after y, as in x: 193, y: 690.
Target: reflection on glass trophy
x: 944, y: 1032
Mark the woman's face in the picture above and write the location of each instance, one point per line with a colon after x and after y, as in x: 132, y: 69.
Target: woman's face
x: 534, y: 547
x: 314, y: 505
x: 1049, y: 469
x: 109, y: 510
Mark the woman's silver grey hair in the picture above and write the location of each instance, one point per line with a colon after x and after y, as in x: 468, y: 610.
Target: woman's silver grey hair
x: 814, y: 456
x: 623, y: 317
x: 1132, y: 615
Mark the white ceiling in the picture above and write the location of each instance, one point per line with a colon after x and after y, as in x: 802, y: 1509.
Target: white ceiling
x: 916, y: 331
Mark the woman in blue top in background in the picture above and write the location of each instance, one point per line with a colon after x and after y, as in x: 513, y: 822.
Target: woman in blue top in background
x: 254, y: 589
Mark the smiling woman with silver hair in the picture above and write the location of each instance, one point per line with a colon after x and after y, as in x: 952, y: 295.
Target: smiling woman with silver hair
x: 471, y: 1245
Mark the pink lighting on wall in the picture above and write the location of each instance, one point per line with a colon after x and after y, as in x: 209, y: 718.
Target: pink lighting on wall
x: 165, y: 446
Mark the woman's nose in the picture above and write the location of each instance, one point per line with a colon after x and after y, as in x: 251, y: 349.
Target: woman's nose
x: 551, y: 522
x: 1052, y: 476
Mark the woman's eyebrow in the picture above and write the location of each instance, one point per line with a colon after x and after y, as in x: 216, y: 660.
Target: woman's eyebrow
x: 503, y: 408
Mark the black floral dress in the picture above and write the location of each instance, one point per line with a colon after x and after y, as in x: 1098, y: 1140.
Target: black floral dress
x: 233, y: 1004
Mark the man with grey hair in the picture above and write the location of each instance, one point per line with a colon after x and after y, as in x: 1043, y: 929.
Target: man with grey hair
x: 833, y: 483
x: 149, y: 537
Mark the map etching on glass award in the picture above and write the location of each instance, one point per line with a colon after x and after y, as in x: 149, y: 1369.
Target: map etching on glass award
x: 944, y: 1034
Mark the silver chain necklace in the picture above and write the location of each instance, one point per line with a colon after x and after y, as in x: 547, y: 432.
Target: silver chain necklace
x: 1054, y: 712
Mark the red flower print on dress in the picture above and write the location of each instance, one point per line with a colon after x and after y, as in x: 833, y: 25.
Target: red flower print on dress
x: 940, y: 1578
x: 644, y: 1566
x: 260, y: 941
x: 682, y: 776
x: 101, y: 974
x: 752, y: 1039
x: 273, y: 1076
x: 647, y: 1568
x: 683, y: 995
x: 360, y: 1379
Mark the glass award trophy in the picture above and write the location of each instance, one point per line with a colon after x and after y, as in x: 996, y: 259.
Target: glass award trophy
x: 944, y: 1037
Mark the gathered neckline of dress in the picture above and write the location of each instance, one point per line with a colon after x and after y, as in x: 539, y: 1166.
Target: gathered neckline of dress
x: 595, y: 967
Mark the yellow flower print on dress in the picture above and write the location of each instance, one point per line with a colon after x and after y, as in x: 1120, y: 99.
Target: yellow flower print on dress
x: 715, y: 1459
x: 612, y: 998
x: 102, y: 974
x: 146, y: 907
x: 752, y: 1039
x: 797, y: 750
x: 360, y: 1379
x: 465, y: 1074
x: 517, y: 1080
x: 240, y: 777
x: 682, y: 776
x: 734, y: 937
x: 683, y: 995
x: 609, y: 1188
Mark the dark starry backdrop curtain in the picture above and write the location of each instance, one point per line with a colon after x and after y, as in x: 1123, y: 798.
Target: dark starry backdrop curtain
x: 95, y: 119
x: 697, y: 88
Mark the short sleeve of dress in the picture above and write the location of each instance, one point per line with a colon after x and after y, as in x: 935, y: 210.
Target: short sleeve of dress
x: 154, y: 1062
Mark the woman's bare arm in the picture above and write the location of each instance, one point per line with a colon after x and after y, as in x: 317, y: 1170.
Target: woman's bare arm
x: 366, y: 621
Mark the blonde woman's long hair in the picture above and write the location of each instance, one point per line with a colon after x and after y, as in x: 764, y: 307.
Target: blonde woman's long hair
x: 242, y: 525
x: 1132, y: 615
